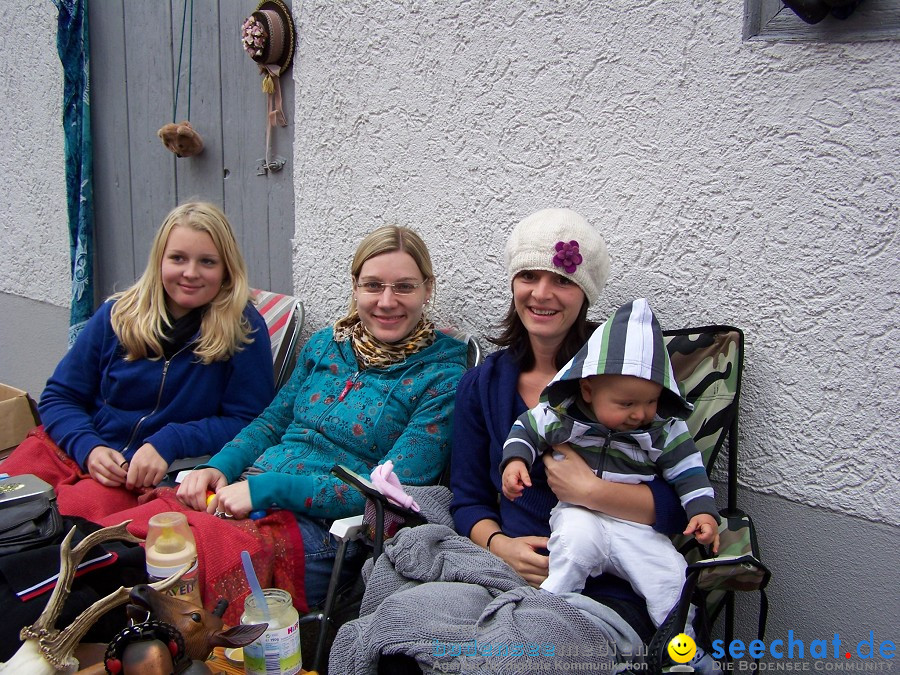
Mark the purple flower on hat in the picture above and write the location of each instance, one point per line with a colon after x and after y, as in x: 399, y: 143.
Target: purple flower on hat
x: 567, y: 256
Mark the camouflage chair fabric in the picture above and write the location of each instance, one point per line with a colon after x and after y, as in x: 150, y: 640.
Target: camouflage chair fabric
x: 708, y: 364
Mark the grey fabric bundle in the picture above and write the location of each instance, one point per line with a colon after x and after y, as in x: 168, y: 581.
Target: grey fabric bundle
x: 437, y: 597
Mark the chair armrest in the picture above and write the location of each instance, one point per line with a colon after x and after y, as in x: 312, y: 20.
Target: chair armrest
x: 349, y: 528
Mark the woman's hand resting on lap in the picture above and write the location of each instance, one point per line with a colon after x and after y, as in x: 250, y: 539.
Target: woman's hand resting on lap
x: 233, y: 500
x: 146, y: 468
x: 105, y: 466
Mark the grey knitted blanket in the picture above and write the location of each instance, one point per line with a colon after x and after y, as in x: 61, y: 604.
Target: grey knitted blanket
x: 437, y: 597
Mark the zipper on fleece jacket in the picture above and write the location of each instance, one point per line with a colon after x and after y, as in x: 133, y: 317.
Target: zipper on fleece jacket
x: 603, y: 452
x: 347, y: 387
x: 162, y: 383
x: 351, y: 381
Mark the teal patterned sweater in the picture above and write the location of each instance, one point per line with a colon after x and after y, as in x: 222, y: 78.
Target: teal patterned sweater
x: 331, y: 412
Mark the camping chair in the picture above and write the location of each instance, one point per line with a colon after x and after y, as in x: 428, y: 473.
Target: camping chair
x: 284, y: 318
x: 708, y: 364
x: 369, y: 527
x: 283, y: 315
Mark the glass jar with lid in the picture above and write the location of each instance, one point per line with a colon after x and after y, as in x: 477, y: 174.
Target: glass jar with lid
x: 277, y: 651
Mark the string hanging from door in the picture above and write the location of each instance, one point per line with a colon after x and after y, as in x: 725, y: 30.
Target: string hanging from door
x: 181, y: 138
x: 267, y: 36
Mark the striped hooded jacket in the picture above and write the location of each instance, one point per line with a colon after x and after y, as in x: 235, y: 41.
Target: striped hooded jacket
x: 629, y: 343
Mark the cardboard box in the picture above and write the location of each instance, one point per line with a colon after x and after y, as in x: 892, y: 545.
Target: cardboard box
x: 18, y: 415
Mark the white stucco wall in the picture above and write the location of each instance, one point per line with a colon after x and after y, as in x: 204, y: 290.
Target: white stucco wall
x: 34, y: 249
x: 749, y: 183
x: 744, y: 183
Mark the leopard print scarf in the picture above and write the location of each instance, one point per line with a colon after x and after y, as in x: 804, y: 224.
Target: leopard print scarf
x: 373, y: 353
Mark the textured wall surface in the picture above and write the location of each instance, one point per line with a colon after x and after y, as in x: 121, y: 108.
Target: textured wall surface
x: 34, y: 249
x: 744, y: 183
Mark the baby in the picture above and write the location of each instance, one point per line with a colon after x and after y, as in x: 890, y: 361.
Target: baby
x: 618, y: 405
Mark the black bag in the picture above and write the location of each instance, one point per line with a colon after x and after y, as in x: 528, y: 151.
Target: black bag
x: 28, y: 524
x: 28, y: 577
x: 28, y: 514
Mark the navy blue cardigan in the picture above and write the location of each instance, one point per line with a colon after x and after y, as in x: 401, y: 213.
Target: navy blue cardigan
x: 183, y: 408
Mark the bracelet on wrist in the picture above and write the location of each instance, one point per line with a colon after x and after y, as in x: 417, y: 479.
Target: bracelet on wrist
x: 492, y: 535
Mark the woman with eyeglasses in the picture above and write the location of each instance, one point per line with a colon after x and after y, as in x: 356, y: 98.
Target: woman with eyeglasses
x: 379, y: 385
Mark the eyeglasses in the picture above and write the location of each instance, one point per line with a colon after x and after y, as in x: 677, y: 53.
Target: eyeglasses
x: 397, y: 288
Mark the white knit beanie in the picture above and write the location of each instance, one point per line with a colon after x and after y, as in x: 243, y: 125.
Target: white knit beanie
x: 561, y: 241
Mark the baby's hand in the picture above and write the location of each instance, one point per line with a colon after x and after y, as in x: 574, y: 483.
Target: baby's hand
x: 705, y: 530
x: 515, y: 479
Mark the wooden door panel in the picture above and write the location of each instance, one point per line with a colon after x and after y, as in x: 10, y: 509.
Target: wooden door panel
x: 134, y: 61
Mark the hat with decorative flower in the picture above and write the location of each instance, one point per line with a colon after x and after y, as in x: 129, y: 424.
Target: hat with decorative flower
x: 560, y: 241
x: 267, y: 35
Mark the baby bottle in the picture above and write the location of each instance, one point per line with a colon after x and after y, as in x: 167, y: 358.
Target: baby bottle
x: 169, y: 547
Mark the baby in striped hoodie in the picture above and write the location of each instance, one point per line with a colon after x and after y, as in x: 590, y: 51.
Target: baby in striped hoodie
x: 617, y: 404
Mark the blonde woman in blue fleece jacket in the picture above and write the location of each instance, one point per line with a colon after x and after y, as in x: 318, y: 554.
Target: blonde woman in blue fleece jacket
x: 172, y: 367
x: 377, y: 386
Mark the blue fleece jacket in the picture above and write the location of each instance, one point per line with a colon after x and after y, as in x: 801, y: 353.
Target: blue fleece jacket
x: 181, y: 407
x: 331, y: 412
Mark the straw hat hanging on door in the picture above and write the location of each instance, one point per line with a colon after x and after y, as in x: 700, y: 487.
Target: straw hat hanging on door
x: 268, y: 36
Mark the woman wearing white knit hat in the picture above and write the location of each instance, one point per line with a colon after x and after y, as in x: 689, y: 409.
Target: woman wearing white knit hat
x: 557, y: 265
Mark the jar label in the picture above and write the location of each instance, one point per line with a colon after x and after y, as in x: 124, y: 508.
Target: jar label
x: 275, y: 652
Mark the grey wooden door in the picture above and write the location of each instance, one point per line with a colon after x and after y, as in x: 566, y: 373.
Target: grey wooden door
x: 134, y: 57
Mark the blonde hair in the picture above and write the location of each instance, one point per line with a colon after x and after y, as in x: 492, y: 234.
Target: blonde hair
x: 388, y: 239
x: 139, y: 313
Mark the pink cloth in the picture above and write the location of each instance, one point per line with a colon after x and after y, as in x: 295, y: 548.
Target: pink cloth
x: 386, y: 482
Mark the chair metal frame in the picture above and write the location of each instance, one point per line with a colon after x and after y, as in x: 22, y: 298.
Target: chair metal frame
x: 728, y: 437
x: 284, y: 316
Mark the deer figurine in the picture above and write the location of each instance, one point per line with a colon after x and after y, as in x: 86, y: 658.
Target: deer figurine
x: 48, y: 651
x: 179, y: 639
x: 180, y: 631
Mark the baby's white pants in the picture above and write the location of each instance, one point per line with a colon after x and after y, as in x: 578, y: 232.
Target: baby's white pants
x: 586, y: 543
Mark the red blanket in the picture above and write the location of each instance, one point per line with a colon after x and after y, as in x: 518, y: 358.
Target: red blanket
x: 274, y: 542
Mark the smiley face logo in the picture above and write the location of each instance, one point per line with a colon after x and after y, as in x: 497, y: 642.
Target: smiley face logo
x: 682, y: 648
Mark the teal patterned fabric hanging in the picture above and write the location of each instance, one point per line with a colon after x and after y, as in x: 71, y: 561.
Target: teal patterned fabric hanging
x: 73, y: 46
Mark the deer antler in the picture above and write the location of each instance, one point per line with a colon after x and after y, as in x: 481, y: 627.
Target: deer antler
x: 69, y: 559
x: 65, y: 641
x: 46, y: 649
x: 56, y: 646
